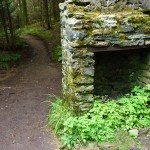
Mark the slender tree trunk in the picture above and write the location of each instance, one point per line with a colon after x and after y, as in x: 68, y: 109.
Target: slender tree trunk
x: 46, y: 11
x: 4, y: 24
x: 20, y: 13
x: 25, y: 12
x: 42, y: 13
x: 10, y: 25
x: 55, y: 10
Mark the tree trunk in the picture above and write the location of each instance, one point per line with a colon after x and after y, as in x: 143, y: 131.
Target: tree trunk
x: 46, y: 11
x: 10, y: 25
x: 20, y: 13
x: 4, y: 24
x: 25, y: 12
x: 56, y: 10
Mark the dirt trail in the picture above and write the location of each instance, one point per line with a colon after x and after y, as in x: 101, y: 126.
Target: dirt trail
x: 23, y: 111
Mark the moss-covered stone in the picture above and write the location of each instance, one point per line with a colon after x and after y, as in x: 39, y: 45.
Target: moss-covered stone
x: 114, y: 27
x: 146, y: 30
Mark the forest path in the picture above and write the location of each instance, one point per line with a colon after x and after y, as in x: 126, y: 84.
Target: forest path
x: 23, y: 110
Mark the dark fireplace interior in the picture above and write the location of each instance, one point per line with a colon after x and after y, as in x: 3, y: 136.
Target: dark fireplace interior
x: 117, y: 72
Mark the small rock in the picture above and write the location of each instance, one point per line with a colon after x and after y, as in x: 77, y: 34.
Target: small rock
x: 103, y: 38
x: 62, y: 6
x: 147, y: 42
x: 134, y: 132
x: 127, y: 28
x: 138, y: 36
x: 74, y: 35
x: 145, y: 148
x: 79, y: 15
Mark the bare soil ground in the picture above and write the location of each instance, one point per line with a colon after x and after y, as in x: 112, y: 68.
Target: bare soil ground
x: 23, y: 92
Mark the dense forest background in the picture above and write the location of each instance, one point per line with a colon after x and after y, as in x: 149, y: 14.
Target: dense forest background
x: 18, y: 16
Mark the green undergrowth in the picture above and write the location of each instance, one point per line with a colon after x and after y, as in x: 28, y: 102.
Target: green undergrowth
x: 8, y: 59
x: 58, y: 53
x: 103, y: 120
x: 35, y: 31
x: 20, y: 44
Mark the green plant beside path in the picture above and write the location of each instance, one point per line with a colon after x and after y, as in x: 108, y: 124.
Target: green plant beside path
x: 103, y: 120
x: 7, y: 59
x: 58, y: 53
x: 35, y: 31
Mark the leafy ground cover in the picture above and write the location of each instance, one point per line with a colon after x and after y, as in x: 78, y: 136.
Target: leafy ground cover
x: 10, y: 58
x: 7, y: 59
x: 36, y: 31
x: 103, y: 121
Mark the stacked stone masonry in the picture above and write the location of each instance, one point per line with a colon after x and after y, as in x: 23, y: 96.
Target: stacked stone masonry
x: 83, y: 29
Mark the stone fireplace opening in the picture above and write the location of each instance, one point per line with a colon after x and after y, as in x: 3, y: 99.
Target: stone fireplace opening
x: 117, y: 72
x: 105, y: 49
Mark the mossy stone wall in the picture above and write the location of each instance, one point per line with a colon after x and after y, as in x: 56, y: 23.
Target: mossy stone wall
x: 83, y: 30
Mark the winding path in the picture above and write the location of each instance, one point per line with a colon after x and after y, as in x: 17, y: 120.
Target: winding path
x: 23, y: 110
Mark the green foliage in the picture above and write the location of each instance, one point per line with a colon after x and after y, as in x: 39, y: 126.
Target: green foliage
x: 101, y: 122
x: 36, y: 31
x: 6, y: 59
x: 58, y: 114
x: 28, y: 30
x: 20, y: 43
x: 58, y: 51
x: 2, y: 34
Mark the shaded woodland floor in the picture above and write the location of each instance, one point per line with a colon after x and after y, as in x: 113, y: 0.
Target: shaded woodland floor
x: 23, y: 110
